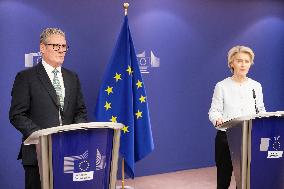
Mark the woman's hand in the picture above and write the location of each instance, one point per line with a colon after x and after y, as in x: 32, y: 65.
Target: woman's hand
x: 219, y: 121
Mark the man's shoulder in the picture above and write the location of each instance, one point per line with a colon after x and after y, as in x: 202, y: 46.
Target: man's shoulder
x: 27, y: 74
x: 28, y: 71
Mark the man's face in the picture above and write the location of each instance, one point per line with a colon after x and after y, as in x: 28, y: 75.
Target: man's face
x: 54, y: 50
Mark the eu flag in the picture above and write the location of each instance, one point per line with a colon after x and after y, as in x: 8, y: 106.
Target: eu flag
x: 122, y: 98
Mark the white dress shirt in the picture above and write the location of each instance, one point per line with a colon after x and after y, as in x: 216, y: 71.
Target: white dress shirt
x: 48, y: 68
x: 232, y: 99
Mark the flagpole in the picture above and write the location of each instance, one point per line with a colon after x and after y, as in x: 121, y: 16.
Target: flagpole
x: 122, y: 174
x: 125, y: 6
x: 123, y: 177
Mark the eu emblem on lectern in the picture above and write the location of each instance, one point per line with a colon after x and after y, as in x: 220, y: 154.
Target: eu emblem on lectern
x: 82, y: 166
x: 272, y: 146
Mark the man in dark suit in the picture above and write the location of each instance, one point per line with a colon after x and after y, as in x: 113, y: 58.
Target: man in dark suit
x: 39, y: 93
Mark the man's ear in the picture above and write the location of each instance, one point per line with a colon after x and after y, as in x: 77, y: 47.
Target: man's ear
x: 42, y: 48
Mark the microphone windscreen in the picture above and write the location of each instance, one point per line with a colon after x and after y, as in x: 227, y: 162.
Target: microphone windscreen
x: 253, y: 93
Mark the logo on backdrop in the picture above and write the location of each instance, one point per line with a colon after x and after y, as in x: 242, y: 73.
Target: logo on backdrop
x: 32, y: 59
x: 272, y: 147
x: 82, y: 167
x: 147, y: 62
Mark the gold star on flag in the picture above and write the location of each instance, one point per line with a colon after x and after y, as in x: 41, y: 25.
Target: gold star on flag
x: 117, y: 77
x: 107, y: 105
x: 113, y: 119
x: 138, y: 114
x: 109, y: 90
x: 125, y: 129
x: 129, y: 70
x: 142, y: 98
x: 139, y: 84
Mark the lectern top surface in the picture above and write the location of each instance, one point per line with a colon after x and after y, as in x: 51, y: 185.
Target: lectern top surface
x: 251, y: 117
x: 33, y: 138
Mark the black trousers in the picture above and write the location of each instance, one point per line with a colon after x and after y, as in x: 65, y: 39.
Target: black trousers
x: 32, y: 177
x: 223, y: 160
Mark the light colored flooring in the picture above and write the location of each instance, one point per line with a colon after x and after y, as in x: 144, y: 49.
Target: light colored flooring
x: 204, y: 178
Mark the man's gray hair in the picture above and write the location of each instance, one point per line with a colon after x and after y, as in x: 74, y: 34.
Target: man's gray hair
x: 48, y: 32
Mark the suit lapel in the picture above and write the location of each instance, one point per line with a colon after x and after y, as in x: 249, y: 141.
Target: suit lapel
x: 43, y: 77
x: 67, y: 86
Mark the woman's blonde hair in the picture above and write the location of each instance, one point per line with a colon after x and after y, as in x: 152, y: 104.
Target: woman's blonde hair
x: 239, y: 49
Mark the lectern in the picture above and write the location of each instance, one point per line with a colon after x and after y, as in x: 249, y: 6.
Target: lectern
x: 78, y: 156
x: 256, y: 144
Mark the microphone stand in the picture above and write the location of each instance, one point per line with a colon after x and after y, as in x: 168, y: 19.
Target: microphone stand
x: 59, y: 111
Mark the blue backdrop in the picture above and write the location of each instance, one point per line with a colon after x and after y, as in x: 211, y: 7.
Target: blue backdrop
x: 190, y: 37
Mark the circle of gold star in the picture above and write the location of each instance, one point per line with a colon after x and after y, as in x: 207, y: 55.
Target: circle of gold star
x: 107, y: 105
x: 84, y: 163
x: 109, y: 90
x: 117, y: 77
x: 113, y: 119
x: 125, y: 129
x: 142, y: 98
x: 138, y: 114
x: 139, y: 84
x: 129, y: 70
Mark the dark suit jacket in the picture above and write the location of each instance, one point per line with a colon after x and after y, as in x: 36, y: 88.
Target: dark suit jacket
x: 34, y: 105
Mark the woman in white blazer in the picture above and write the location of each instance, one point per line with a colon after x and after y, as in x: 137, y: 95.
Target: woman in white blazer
x: 233, y: 97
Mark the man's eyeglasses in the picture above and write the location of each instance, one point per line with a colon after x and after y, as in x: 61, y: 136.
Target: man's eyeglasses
x: 56, y: 47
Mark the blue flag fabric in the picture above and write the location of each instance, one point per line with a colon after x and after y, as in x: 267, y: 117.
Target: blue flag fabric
x: 122, y: 98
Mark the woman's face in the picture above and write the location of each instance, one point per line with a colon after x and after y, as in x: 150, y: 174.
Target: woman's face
x: 241, y: 64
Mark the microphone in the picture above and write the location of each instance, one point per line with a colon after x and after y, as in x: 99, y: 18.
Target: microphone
x: 60, y: 113
x: 254, y: 96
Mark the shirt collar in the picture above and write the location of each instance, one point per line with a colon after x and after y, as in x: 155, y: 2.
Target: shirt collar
x: 49, y: 68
